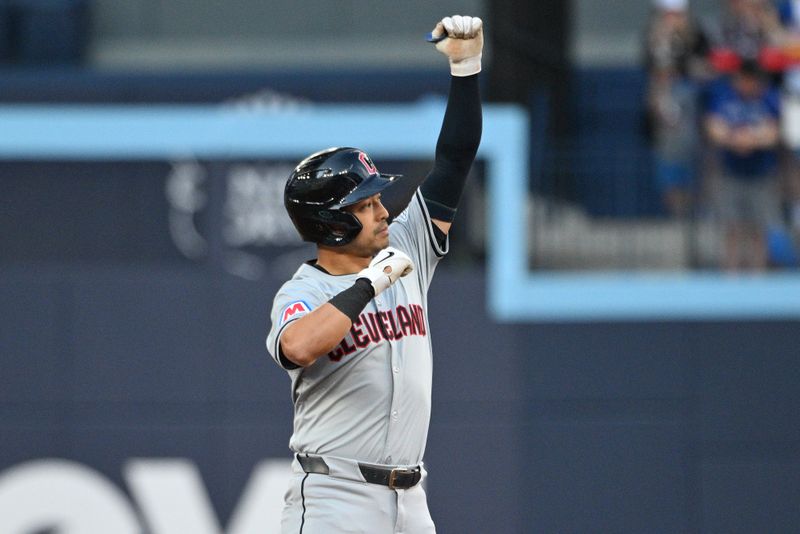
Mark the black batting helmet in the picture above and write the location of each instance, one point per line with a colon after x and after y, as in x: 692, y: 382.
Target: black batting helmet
x: 324, y: 183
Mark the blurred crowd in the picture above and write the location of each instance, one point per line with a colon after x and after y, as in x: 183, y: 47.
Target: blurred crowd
x: 723, y: 109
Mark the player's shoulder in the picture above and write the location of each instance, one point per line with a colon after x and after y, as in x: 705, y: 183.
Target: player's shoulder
x: 414, y: 212
x: 306, y: 278
x: 313, y: 283
x: 402, y: 217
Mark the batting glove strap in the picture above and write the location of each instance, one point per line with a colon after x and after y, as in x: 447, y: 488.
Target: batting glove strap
x: 386, y: 268
x: 466, y: 67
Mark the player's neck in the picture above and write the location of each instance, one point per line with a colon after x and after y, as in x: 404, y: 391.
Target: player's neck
x: 337, y: 262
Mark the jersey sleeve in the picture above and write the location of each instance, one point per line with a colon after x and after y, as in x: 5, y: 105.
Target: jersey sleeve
x: 293, y: 301
x: 412, y: 232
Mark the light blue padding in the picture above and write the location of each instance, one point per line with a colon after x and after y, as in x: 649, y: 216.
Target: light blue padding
x: 652, y: 296
x: 142, y: 132
x: 515, y: 294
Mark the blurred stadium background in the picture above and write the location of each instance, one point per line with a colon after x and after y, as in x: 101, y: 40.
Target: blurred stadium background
x: 143, y: 149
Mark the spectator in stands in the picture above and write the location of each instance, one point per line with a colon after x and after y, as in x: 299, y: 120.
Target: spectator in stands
x: 676, y: 51
x: 789, y: 11
x: 743, y: 123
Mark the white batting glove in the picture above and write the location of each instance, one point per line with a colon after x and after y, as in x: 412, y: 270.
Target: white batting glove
x: 386, y: 267
x: 461, y: 40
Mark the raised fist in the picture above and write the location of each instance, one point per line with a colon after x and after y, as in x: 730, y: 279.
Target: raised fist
x: 460, y: 38
x: 386, y: 268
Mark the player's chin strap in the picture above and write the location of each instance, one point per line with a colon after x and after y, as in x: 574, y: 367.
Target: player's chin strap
x: 393, y: 477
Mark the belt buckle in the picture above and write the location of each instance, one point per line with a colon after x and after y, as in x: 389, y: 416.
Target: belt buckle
x: 398, y: 471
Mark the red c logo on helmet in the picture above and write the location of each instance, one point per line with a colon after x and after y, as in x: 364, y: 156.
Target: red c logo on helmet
x: 365, y: 161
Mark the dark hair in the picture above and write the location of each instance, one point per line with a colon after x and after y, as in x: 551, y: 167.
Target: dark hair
x: 751, y: 68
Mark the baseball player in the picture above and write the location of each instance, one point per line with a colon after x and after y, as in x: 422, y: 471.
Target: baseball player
x: 351, y: 327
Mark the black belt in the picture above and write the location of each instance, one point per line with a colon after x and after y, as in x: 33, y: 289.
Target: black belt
x: 395, y: 478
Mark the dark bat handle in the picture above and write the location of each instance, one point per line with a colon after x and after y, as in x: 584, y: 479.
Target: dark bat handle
x: 431, y: 39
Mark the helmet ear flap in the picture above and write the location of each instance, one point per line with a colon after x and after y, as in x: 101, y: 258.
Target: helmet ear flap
x: 328, y: 227
x: 341, y: 228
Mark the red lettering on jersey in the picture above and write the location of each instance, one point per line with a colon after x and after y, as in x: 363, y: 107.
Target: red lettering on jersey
x: 293, y: 309
x: 343, y: 349
x: 387, y: 332
x: 397, y: 333
x: 418, y: 318
x: 373, y: 328
x: 415, y: 326
x: 336, y: 355
x: 359, y: 338
x: 404, y: 319
x: 347, y: 347
x: 365, y: 161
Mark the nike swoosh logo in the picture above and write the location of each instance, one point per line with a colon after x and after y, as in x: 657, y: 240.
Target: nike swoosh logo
x: 390, y: 254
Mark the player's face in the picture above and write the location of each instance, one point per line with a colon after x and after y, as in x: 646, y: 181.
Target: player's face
x: 748, y: 86
x: 374, y: 235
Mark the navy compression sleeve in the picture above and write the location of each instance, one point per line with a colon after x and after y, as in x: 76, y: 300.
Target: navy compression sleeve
x: 456, y: 148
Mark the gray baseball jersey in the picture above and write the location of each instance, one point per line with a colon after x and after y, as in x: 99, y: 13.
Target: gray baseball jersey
x: 370, y: 398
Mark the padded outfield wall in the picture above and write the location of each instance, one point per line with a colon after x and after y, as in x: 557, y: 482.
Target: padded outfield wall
x: 154, y: 380
x: 136, y: 392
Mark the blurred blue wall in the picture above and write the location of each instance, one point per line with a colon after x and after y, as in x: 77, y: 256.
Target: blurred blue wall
x: 108, y: 354
x: 114, y: 346
x: 673, y: 427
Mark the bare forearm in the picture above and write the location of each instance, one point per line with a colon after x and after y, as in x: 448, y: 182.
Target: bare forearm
x: 766, y: 135
x: 718, y: 132
x: 318, y: 333
x: 314, y: 335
